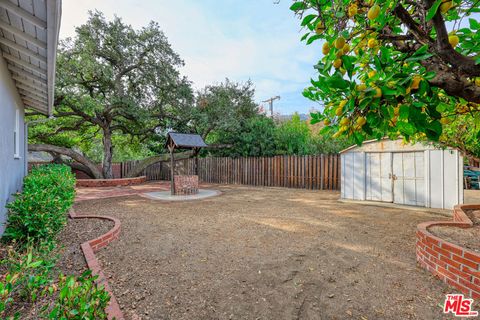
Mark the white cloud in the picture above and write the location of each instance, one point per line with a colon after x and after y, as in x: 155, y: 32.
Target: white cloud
x: 261, y: 45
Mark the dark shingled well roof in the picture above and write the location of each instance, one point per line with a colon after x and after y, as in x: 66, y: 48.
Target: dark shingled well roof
x: 186, y: 140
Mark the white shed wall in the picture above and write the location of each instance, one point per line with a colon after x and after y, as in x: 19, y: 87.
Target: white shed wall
x: 445, y: 178
x: 434, y: 175
x: 353, y: 175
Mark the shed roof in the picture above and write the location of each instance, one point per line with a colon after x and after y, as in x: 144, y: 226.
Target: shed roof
x: 28, y: 43
x: 387, y: 145
x: 186, y: 140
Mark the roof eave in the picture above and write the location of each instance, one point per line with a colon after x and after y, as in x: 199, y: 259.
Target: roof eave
x: 54, y: 13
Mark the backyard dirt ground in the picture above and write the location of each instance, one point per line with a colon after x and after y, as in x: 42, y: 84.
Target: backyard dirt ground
x: 266, y: 253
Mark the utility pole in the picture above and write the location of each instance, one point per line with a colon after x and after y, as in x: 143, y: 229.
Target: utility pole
x: 270, y: 101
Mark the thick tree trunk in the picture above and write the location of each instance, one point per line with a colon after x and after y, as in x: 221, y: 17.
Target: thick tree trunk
x: 74, y: 165
x: 107, y: 153
x: 143, y: 164
x: 92, y: 167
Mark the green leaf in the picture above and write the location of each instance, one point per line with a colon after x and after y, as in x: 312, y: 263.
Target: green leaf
x: 433, y: 9
x: 308, y: 19
x: 313, y: 38
x: 429, y: 75
x: 336, y: 81
x: 297, y: 6
x: 434, y: 130
x: 474, y: 24
x: 418, y: 58
x: 406, y: 128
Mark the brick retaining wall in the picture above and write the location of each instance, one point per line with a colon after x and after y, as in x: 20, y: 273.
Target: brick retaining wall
x: 96, y: 183
x: 455, y: 265
x: 89, y: 248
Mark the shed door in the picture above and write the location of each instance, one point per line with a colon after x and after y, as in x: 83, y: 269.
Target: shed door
x: 379, y: 172
x: 409, y: 181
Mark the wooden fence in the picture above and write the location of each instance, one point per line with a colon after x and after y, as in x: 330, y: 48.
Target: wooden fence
x: 308, y: 172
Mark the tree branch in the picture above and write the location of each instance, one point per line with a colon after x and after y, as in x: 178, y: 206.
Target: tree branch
x: 96, y: 173
x: 143, y: 164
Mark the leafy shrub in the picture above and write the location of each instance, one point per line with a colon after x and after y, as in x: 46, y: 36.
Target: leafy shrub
x: 78, y: 298
x: 32, y: 267
x: 7, y: 286
x: 28, y: 273
x: 39, y: 212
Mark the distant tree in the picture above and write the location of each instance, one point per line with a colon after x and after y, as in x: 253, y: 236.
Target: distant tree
x: 294, y: 137
x: 223, y: 108
x: 112, y: 80
x: 463, y: 134
x: 255, y: 138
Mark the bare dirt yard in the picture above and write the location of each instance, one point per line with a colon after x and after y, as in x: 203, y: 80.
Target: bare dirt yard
x: 266, y: 253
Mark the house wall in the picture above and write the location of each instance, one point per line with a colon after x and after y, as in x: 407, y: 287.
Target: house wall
x: 12, y: 169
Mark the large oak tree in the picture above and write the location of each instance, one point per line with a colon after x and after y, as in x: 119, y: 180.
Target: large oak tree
x: 112, y: 79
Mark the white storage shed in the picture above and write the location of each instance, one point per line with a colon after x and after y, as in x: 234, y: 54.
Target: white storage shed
x: 410, y: 174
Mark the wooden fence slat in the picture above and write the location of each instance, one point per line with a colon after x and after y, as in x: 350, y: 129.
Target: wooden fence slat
x: 315, y: 172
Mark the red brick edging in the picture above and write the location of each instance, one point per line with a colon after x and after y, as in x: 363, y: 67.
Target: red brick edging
x: 95, y: 183
x: 455, y: 265
x: 89, y: 248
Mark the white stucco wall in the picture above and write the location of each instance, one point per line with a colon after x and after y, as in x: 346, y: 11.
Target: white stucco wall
x: 12, y: 169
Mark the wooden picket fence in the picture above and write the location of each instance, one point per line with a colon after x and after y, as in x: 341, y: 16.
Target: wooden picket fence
x: 321, y: 172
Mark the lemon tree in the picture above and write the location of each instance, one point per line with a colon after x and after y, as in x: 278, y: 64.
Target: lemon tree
x: 393, y: 68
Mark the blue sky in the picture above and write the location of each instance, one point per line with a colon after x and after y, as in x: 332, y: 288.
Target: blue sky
x: 238, y: 39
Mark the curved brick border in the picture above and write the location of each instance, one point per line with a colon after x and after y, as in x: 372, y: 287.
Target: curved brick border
x: 95, y: 183
x: 89, y: 248
x: 455, y: 265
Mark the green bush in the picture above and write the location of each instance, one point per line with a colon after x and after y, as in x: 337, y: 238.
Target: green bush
x: 78, y: 298
x: 39, y: 212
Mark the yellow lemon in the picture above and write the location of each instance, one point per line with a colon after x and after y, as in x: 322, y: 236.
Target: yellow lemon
x: 326, y: 122
x: 373, y: 12
x: 342, y: 103
x: 326, y: 48
x: 344, y: 122
x: 454, y: 40
x: 337, y: 63
x: 361, y: 121
x: 372, y: 74
x: 340, y: 42
x: 339, y: 111
x: 352, y: 10
x: 372, y: 43
x: 346, y: 48
x: 378, y: 92
x: 339, y: 53
x: 361, y: 87
x: 445, y: 6
x: 320, y: 27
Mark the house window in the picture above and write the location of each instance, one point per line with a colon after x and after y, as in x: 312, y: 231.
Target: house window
x: 16, y: 135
